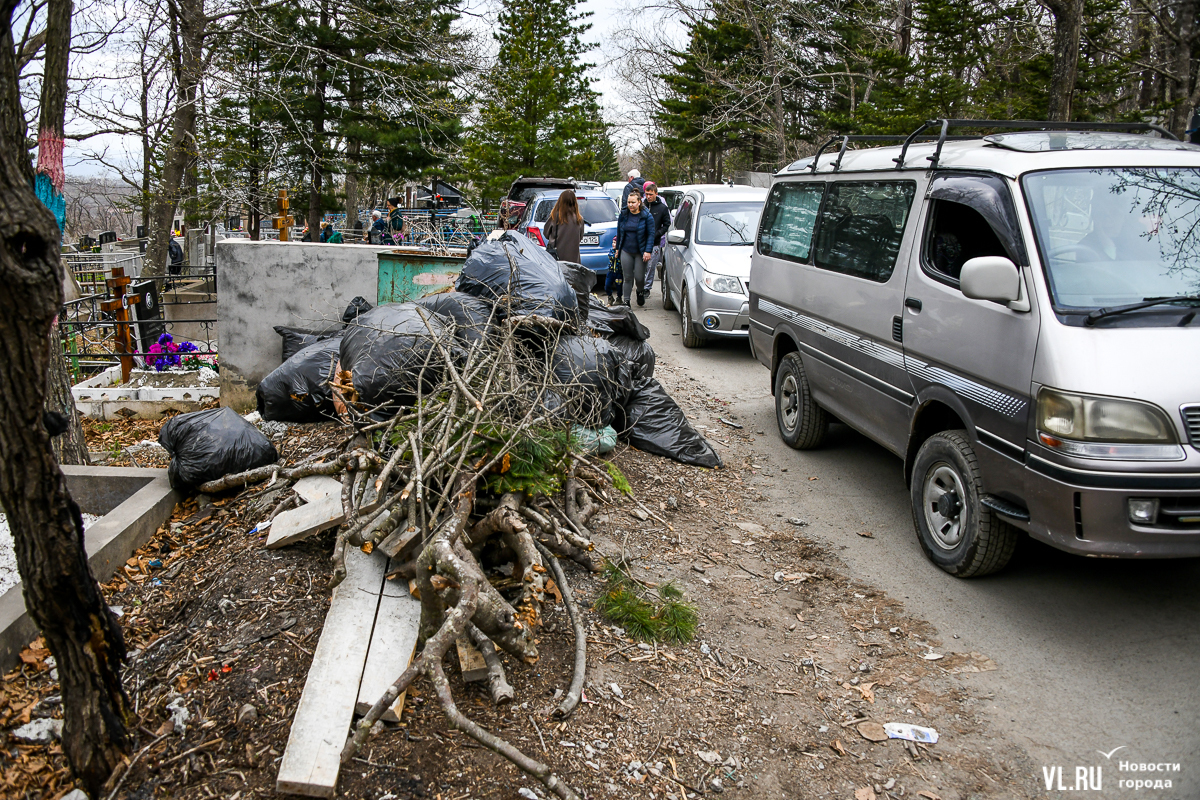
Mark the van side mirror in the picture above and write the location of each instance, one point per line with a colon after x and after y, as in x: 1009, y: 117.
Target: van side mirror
x: 676, y: 237
x: 993, y: 278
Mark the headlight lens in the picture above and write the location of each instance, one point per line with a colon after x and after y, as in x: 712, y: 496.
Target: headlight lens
x: 1105, y: 427
x: 726, y: 284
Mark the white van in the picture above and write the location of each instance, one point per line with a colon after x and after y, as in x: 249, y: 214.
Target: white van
x: 1015, y: 316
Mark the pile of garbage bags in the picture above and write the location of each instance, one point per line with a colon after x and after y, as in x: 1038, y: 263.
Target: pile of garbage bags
x: 603, y: 374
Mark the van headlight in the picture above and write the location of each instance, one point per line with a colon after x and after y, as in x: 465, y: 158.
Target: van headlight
x: 1105, y: 427
x: 725, y: 284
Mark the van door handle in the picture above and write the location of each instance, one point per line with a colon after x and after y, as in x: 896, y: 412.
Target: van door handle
x: 913, y: 303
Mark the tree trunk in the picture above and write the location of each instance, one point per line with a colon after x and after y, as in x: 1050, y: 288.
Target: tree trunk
x: 1068, y: 19
x: 188, y: 31
x: 60, y: 593
x: 1181, y: 68
x: 315, y: 208
x: 767, y: 48
x: 69, y: 446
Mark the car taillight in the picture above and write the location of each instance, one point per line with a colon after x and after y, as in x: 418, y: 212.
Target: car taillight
x: 536, y: 235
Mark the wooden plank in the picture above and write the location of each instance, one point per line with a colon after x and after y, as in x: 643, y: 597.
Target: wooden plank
x: 322, y: 723
x: 470, y: 661
x: 395, y: 543
x: 317, y: 487
x: 300, y: 523
x: 393, y: 643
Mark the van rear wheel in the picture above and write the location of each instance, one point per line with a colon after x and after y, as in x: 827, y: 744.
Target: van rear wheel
x: 956, y: 531
x: 802, y: 423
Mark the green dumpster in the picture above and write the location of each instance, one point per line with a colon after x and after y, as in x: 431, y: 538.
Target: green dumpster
x: 407, y: 274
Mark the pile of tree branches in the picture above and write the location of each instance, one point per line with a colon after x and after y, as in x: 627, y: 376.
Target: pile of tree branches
x: 480, y: 467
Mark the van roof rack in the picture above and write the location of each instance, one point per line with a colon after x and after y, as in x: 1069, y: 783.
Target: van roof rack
x: 943, y: 126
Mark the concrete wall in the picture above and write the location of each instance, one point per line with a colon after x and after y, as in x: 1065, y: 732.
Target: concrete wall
x: 264, y: 284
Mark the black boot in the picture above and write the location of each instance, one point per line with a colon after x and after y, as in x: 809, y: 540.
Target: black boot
x: 641, y: 298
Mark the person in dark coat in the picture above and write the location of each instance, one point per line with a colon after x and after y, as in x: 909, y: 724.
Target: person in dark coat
x: 395, y: 220
x: 378, y: 228
x: 636, y: 182
x: 634, y: 243
x: 564, y: 229
x: 662, y: 221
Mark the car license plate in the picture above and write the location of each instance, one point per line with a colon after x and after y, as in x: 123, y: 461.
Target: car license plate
x: 592, y: 238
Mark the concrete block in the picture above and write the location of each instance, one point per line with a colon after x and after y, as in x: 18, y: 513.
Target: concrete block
x: 134, y: 502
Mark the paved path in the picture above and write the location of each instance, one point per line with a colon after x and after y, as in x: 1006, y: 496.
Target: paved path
x: 1093, y: 654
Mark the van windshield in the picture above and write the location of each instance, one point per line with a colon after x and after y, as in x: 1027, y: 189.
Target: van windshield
x: 1111, y: 237
x: 728, y: 223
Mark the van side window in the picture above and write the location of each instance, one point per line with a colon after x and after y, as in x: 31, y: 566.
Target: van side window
x: 969, y: 216
x: 789, y: 219
x: 861, y: 227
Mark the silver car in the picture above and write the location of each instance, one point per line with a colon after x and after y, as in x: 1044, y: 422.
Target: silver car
x: 708, y: 255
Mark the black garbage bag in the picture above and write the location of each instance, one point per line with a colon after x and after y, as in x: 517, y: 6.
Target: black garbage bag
x: 298, y: 389
x: 386, y: 349
x: 638, y: 353
x: 538, y: 285
x: 358, y: 306
x: 582, y: 280
x: 471, y: 315
x: 593, y: 379
x: 206, y: 445
x: 608, y: 321
x: 296, y: 339
x: 656, y: 424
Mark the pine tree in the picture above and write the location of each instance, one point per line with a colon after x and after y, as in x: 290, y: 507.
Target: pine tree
x: 538, y: 113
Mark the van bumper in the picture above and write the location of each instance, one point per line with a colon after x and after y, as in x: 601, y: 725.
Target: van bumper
x: 1088, y: 512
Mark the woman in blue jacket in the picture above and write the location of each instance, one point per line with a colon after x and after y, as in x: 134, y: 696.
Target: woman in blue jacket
x: 634, y: 242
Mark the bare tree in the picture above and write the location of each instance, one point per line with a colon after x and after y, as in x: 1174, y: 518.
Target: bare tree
x: 60, y: 593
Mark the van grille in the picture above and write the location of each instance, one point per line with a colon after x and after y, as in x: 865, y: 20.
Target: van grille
x: 1191, y: 421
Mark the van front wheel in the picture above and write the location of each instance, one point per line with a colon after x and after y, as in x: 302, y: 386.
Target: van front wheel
x: 956, y: 531
x: 802, y: 423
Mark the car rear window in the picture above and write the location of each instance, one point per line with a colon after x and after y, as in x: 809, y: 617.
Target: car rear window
x: 597, y: 210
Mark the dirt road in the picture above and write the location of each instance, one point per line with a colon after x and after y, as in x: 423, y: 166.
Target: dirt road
x: 1091, y: 654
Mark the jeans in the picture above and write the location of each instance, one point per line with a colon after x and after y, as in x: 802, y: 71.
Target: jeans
x: 634, y: 269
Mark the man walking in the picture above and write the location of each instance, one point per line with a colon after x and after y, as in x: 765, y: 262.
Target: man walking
x: 662, y: 221
x: 636, y: 181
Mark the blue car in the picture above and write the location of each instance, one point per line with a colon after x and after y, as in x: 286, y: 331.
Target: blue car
x: 600, y: 224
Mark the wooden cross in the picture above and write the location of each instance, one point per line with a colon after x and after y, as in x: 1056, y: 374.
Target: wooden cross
x: 118, y: 306
x: 282, y: 222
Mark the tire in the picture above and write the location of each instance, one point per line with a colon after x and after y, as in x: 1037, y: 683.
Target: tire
x: 957, y: 532
x: 691, y: 337
x: 802, y: 423
x: 668, y: 303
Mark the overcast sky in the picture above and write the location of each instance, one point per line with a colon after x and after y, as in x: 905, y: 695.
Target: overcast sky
x: 610, y: 18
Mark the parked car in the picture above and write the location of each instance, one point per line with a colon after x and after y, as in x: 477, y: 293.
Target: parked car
x: 614, y: 188
x: 1014, y: 316
x: 600, y: 224
x: 523, y: 189
x: 707, y: 263
x: 673, y: 196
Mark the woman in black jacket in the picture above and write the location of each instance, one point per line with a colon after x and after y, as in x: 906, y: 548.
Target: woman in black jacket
x: 634, y: 242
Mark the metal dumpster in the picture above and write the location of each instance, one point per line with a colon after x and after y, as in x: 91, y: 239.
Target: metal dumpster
x: 410, y: 273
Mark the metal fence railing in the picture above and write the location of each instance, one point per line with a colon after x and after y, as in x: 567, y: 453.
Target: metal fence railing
x: 89, y: 334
